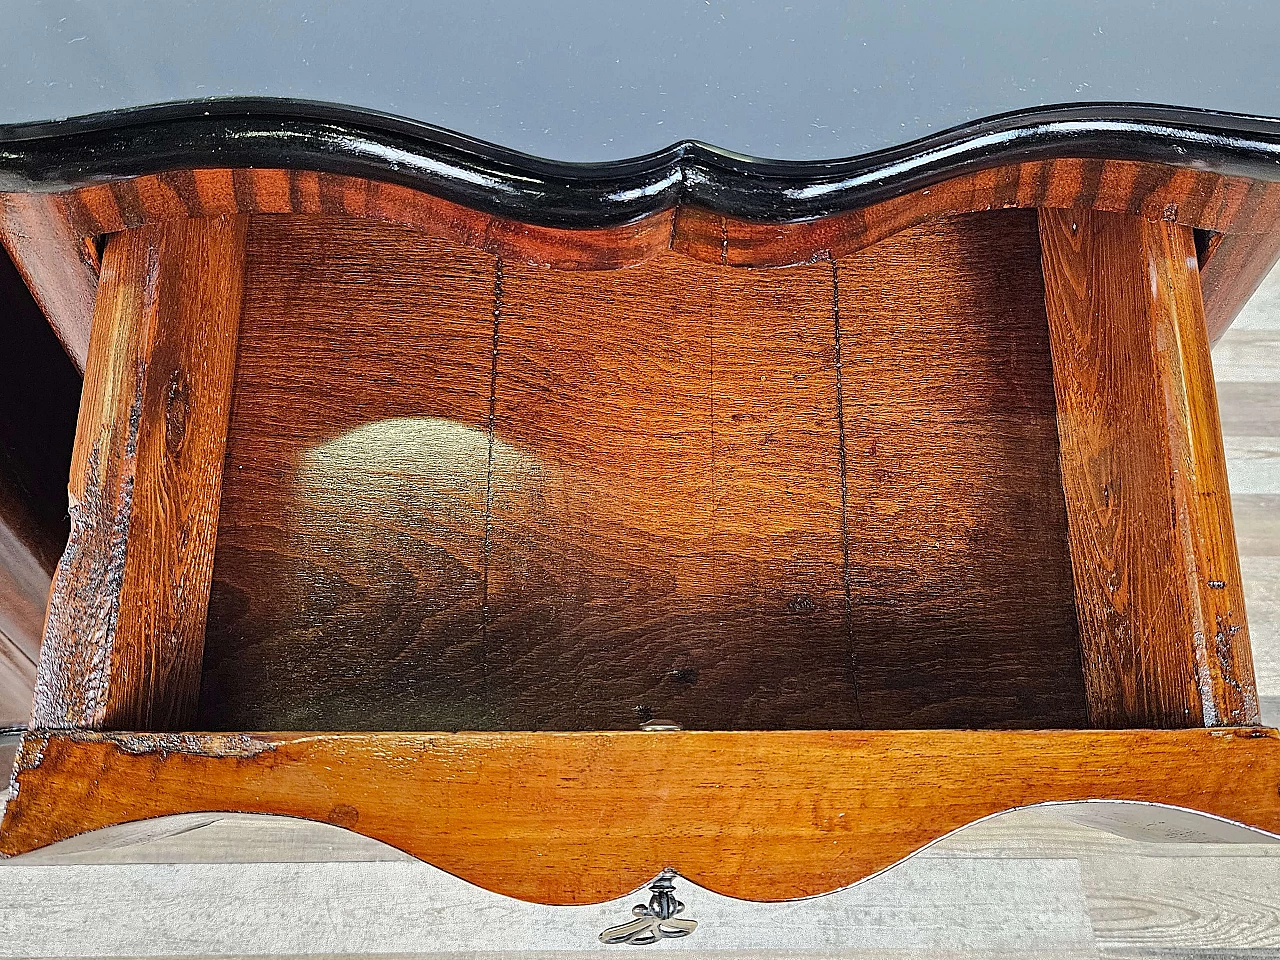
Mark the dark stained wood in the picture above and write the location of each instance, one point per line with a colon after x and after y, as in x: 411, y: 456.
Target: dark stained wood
x: 45, y: 232
x: 39, y: 395
x: 123, y: 638
x: 959, y: 573
x: 1157, y: 578
x: 468, y: 495
x: 587, y: 817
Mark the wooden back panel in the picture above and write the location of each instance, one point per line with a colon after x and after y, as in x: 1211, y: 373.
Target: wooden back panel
x: 958, y: 559
x: 461, y: 493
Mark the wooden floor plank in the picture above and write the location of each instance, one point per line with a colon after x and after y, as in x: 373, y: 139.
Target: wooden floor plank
x: 1257, y: 519
x: 1168, y: 907
x: 1248, y: 356
x: 960, y: 910
x: 1262, y: 601
x: 217, y: 838
x: 1074, y: 831
x: 1253, y: 464
x: 1249, y: 409
x: 1262, y: 311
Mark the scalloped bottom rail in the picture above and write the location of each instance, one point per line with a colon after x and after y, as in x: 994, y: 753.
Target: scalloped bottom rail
x: 587, y: 817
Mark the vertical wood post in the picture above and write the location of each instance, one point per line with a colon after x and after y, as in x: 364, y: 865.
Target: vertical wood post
x: 1157, y: 576
x: 124, y: 636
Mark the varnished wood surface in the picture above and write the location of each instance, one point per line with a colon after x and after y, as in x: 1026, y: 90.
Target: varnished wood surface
x: 1240, y: 261
x: 575, y: 818
x: 348, y: 580
x: 124, y: 633
x: 666, y: 537
x: 461, y: 495
x: 1157, y: 577
x: 1156, y: 571
x: 46, y: 232
x: 39, y: 390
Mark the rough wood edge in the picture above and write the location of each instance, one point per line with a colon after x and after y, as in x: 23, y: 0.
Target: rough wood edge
x: 124, y: 631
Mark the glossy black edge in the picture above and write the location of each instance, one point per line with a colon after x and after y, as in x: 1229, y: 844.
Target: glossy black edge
x: 293, y: 134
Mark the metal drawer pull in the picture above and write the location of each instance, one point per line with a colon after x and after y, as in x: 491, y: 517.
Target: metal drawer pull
x: 656, y: 921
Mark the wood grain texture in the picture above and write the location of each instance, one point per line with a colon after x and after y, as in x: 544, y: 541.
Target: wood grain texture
x: 666, y: 530
x: 1175, y: 909
x: 1257, y: 523
x: 1249, y: 409
x: 1249, y: 356
x: 46, y: 232
x: 39, y: 393
x: 562, y: 818
x: 959, y: 576
x: 475, y: 496
x: 51, y: 252
x: 925, y: 910
x: 125, y: 628
x: 348, y: 582
x: 1240, y: 260
x: 1165, y: 643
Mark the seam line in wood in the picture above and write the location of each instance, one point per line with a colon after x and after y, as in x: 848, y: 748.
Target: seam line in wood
x: 850, y: 656
x: 488, y: 477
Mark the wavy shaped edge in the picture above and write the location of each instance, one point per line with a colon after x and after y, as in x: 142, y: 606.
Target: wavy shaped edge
x: 584, y: 818
x: 1136, y: 814
x: 239, y: 133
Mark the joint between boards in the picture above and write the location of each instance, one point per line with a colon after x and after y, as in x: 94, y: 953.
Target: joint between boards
x: 488, y: 481
x: 850, y: 656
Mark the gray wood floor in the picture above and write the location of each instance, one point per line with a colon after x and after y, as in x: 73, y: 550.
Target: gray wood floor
x: 1051, y: 883
x: 1246, y: 364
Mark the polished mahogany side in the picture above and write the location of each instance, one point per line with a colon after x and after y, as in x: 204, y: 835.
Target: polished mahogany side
x: 1157, y: 578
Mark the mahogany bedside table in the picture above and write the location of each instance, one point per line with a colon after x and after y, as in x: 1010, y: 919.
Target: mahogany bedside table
x: 559, y: 524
